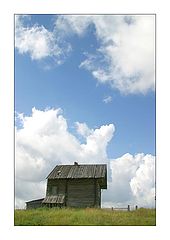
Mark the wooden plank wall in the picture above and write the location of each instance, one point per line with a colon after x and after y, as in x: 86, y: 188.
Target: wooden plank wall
x: 81, y: 193
x: 60, y: 183
x: 78, y: 192
x: 34, y: 204
x: 98, y: 195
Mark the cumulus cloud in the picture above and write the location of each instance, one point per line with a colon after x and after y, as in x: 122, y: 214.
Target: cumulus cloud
x: 132, y: 181
x: 28, y: 190
x: 125, y: 58
x: 83, y: 129
x: 39, y: 42
x: 43, y: 140
x: 143, y: 182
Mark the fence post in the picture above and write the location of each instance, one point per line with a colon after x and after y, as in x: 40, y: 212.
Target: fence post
x: 128, y: 208
x: 112, y: 208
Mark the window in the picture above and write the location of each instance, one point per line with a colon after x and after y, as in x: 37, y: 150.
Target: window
x: 54, y: 190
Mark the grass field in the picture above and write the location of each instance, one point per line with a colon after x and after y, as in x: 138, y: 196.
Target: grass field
x: 84, y: 217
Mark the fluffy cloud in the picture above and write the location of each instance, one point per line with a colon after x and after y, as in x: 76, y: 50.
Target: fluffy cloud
x: 125, y: 58
x: 83, y: 129
x: 71, y: 24
x: 132, y: 181
x: 44, y: 141
x: 143, y: 182
x: 39, y: 42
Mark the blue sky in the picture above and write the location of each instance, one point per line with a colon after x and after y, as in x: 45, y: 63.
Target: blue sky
x: 85, y: 91
x: 80, y: 96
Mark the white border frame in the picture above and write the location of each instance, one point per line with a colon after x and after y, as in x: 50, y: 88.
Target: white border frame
x: 8, y: 9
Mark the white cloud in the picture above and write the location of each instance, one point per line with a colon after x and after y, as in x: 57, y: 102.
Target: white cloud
x: 125, y: 58
x: 72, y: 24
x: 44, y: 141
x: 143, y: 183
x: 38, y: 42
x: 83, y: 129
x: 132, y: 181
x: 107, y: 99
x: 27, y: 190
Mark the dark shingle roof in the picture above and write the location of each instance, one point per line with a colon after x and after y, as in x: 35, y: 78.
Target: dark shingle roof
x: 79, y: 171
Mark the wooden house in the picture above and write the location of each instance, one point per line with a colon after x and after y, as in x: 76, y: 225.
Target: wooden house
x: 75, y: 185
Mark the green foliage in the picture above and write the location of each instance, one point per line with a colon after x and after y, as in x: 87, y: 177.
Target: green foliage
x: 84, y: 217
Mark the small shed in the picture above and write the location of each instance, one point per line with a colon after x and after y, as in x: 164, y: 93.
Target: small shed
x: 76, y: 185
x: 37, y: 203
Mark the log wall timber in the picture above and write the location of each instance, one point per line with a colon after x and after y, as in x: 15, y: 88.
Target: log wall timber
x: 98, y: 195
x: 78, y: 192
x: 59, y: 184
x: 81, y: 193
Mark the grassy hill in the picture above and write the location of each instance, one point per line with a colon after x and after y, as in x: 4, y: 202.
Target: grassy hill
x: 84, y: 217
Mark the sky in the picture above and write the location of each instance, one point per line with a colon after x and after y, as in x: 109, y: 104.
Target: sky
x: 85, y: 91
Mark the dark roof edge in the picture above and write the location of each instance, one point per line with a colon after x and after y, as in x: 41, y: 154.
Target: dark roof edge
x: 35, y: 200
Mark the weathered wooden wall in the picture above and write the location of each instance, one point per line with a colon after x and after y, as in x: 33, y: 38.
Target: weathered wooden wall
x: 98, y: 195
x: 81, y: 193
x: 60, y: 183
x: 78, y: 192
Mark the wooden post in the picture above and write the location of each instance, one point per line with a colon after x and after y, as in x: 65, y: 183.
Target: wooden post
x: 95, y: 193
x: 112, y: 208
x: 128, y: 208
x: 66, y: 193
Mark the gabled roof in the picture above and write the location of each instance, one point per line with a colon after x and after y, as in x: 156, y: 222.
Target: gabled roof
x: 76, y: 171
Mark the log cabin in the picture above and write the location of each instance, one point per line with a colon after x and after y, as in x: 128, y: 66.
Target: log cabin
x: 77, y: 185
